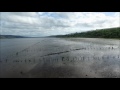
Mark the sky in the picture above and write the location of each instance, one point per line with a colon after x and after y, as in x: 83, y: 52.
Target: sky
x: 38, y: 24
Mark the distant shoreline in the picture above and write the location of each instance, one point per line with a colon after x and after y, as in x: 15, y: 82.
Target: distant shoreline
x: 110, y: 33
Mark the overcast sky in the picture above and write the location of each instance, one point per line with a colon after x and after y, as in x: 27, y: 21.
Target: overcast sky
x: 55, y: 23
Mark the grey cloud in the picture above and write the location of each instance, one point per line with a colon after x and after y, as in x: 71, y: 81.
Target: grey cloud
x: 84, y: 25
x: 32, y: 23
x: 28, y: 14
x: 19, y: 18
x: 51, y: 22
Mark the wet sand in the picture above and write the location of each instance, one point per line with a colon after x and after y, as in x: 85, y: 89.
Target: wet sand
x: 60, y: 58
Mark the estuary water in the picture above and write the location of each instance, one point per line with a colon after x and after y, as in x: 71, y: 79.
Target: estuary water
x: 59, y: 58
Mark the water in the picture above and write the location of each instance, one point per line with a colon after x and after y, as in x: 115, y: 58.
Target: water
x: 59, y: 58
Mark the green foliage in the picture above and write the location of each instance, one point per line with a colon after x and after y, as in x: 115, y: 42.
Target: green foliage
x: 101, y: 33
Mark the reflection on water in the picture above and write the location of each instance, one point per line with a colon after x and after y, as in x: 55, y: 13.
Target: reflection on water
x: 60, y: 58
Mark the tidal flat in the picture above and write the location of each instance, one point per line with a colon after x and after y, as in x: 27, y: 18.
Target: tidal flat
x: 59, y: 58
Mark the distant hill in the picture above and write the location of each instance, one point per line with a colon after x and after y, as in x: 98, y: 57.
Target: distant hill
x: 100, y: 33
x: 10, y: 36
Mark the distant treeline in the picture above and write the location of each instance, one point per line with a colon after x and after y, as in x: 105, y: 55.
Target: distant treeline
x: 10, y: 36
x: 100, y: 33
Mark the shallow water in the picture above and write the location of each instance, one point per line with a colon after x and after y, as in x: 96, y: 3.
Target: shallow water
x: 59, y: 58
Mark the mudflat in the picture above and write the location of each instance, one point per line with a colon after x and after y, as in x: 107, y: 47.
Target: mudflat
x: 59, y: 58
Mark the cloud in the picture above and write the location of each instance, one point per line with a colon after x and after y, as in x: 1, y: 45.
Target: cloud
x: 52, y: 23
x: 20, y: 18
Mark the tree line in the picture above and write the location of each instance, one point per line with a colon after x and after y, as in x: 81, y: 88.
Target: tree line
x: 100, y: 33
